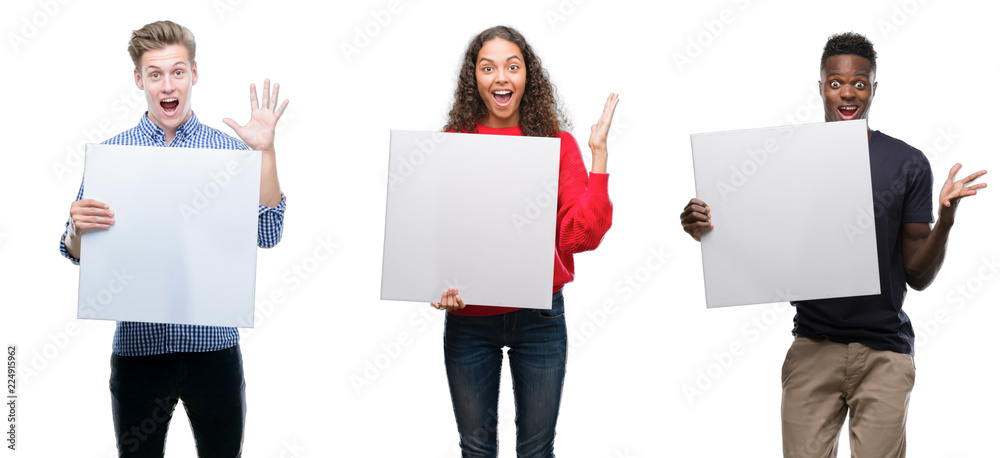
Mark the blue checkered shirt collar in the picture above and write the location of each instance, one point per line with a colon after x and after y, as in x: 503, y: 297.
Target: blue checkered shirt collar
x: 154, y: 132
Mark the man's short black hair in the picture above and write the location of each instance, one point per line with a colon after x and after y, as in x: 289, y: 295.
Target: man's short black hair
x: 849, y: 43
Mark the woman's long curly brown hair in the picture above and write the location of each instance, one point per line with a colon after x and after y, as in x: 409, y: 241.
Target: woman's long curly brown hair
x: 540, y: 115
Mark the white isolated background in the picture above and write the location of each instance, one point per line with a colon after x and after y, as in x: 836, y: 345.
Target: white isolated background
x: 321, y: 324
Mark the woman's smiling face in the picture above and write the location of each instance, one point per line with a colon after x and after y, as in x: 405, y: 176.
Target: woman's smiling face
x: 501, y: 77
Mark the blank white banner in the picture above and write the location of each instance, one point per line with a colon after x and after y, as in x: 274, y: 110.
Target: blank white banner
x: 473, y: 212
x: 792, y: 209
x: 183, y: 248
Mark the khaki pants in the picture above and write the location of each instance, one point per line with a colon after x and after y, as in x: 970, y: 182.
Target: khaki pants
x: 823, y: 381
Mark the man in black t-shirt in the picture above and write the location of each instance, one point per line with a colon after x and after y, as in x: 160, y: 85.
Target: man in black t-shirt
x: 855, y: 354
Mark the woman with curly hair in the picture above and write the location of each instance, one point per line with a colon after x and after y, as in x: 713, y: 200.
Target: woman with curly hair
x: 503, y: 90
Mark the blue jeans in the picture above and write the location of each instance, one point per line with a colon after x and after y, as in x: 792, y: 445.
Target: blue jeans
x: 473, y: 355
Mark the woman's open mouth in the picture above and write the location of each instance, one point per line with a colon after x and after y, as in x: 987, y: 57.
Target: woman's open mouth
x: 503, y: 97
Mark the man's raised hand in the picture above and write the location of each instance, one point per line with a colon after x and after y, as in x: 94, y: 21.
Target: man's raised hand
x: 258, y: 133
x: 953, y: 191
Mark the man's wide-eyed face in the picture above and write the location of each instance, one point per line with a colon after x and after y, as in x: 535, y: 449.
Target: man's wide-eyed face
x: 166, y: 76
x: 847, y: 87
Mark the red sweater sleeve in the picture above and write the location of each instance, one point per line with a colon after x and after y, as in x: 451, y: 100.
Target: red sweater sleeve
x: 584, y: 213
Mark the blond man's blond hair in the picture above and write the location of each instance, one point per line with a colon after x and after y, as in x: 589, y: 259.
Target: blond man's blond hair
x: 158, y: 35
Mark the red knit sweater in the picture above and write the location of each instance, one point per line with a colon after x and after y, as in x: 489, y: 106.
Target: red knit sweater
x: 583, y: 215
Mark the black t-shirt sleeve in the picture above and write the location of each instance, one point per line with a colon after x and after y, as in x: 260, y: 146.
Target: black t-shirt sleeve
x: 918, y: 206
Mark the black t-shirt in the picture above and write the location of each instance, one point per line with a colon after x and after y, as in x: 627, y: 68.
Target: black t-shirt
x: 901, y: 189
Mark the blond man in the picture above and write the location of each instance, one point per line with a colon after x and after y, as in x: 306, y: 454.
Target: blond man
x: 153, y: 365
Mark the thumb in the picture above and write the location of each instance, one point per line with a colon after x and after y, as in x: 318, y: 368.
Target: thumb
x: 232, y: 124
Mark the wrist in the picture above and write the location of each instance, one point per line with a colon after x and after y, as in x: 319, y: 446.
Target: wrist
x: 599, y: 164
x: 946, y: 216
x: 71, y: 243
